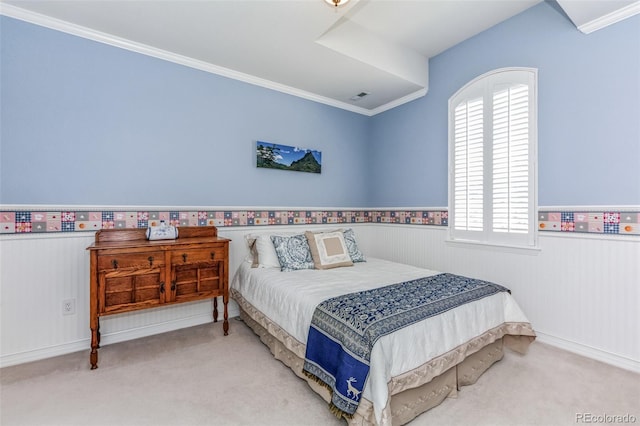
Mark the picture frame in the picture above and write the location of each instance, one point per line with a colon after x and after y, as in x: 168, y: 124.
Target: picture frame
x: 271, y: 155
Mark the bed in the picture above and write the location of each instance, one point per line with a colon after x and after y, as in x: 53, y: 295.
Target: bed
x: 410, y: 370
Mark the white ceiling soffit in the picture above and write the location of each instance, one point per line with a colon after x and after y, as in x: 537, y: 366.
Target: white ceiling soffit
x: 591, y: 15
x: 304, y: 48
x: 354, y: 41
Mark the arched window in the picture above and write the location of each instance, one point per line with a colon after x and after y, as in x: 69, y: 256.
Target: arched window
x: 493, y: 159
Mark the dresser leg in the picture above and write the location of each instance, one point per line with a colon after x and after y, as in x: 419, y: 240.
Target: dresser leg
x: 93, y: 357
x: 215, y: 309
x: 225, y: 324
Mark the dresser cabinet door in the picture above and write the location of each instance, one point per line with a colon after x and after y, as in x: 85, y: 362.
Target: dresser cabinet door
x: 128, y: 289
x: 197, y: 280
x: 197, y: 273
x: 131, y: 281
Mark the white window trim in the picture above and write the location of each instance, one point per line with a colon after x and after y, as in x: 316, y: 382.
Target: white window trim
x: 532, y: 244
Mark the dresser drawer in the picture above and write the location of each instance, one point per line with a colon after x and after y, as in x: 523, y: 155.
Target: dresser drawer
x: 208, y: 254
x: 131, y: 260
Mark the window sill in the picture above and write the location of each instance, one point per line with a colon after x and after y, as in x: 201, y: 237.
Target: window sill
x: 530, y: 250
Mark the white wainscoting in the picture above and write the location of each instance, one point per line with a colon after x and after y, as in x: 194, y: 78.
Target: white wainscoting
x: 581, y: 293
x: 37, y: 273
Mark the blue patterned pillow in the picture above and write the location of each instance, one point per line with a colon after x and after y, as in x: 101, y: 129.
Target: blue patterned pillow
x: 293, y: 252
x: 352, y: 246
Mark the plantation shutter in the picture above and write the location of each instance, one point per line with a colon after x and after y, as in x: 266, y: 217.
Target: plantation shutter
x: 492, y: 146
x: 469, y: 172
x: 511, y: 159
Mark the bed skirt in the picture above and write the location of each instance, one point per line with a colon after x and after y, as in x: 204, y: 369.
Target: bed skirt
x: 412, y: 393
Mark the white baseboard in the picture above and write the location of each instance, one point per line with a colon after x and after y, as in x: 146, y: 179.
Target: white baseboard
x: 43, y: 353
x: 163, y: 327
x: 589, y: 352
x: 136, y: 333
x: 110, y: 338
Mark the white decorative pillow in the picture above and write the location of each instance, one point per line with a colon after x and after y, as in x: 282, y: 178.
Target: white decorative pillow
x: 328, y: 249
x: 266, y: 252
x: 293, y: 252
x: 263, y: 254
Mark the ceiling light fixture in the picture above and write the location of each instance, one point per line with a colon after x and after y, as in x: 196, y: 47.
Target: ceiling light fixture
x: 337, y: 3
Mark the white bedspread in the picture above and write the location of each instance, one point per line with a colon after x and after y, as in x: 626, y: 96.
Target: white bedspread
x: 290, y: 298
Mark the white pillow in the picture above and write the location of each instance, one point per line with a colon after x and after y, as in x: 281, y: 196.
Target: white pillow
x: 263, y: 250
x: 267, y: 257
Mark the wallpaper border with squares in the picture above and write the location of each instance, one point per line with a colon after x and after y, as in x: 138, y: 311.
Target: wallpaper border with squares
x: 29, y: 221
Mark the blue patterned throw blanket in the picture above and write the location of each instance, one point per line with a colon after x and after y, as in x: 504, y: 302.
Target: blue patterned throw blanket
x: 344, y: 329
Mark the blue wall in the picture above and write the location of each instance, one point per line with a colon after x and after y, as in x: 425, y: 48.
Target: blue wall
x: 87, y: 123
x: 588, y: 113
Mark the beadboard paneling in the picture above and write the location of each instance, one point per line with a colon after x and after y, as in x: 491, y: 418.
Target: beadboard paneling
x: 37, y: 273
x: 580, y: 292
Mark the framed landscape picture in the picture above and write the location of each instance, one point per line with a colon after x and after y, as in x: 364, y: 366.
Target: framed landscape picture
x: 283, y: 157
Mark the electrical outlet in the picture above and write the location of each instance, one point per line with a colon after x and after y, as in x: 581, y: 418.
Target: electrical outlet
x: 69, y: 307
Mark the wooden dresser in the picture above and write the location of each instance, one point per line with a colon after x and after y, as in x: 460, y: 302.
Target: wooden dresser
x: 129, y: 273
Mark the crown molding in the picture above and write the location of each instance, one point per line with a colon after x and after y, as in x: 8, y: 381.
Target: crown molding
x: 109, y: 39
x: 610, y: 18
x: 405, y: 99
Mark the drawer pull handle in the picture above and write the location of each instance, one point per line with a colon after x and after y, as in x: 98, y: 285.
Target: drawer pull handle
x: 173, y: 286
x: 150, y: 259
x: 184, y: 257
x: 114, y: 263
x: 162, y: 287
x: 213, y: 255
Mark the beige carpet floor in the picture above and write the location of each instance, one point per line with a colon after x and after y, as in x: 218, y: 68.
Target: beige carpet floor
x: 197, y: 376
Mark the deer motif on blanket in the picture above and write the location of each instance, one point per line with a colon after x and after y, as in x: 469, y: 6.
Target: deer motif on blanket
x: 355, y: 393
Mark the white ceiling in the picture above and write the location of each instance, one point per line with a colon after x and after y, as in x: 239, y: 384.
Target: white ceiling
x: 303, y: 47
